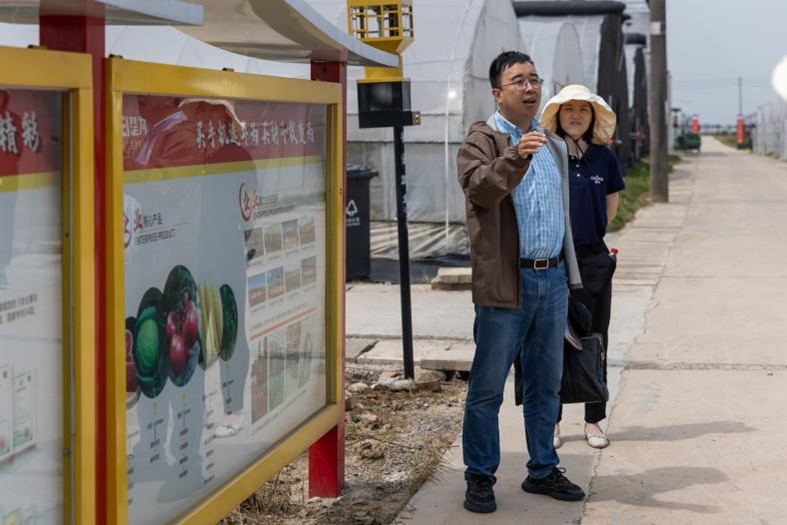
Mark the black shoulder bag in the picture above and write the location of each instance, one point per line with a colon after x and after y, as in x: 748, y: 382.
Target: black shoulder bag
x: 583, y: 372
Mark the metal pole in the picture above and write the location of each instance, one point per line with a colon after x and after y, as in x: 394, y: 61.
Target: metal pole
x: 740, y: 95
x: 659, y: 179
x: 404, y: 253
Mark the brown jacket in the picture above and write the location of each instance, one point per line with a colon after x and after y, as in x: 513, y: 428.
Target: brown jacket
x: 489, y: 169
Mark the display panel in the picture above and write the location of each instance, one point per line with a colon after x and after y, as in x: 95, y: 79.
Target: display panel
x: 31, y: 307
x: 224, y: 244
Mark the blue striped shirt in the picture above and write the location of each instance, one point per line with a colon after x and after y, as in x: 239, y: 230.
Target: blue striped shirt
x: 538, y: 199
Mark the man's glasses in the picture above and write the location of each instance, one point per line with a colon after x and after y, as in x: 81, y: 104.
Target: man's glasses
x: 523, y: 83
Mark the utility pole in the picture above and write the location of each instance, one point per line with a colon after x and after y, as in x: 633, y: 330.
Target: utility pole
x: 659, y: 179
x: 740, y: 125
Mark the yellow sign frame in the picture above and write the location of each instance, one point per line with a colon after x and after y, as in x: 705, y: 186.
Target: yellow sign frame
x: 132, y: 77
x: 72, y: 74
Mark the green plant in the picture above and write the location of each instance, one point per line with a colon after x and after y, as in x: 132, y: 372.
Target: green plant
x: 637, y: 192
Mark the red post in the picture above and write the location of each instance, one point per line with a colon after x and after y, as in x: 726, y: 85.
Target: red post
x: 85, y: 34
x: 326, y: 456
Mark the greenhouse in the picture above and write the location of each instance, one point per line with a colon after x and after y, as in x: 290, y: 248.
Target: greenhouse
x: 556, y: 50
x: 447, y: 65
x: 636, y: 28
x: 769, y: 136
x: 571, y: 41
x: 638, y: 93
x: 599, y: 26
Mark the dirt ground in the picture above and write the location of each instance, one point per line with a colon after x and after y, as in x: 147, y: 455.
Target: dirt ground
x: 395, y: 441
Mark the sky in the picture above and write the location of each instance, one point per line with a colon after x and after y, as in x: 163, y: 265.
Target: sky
x: 710, y: 43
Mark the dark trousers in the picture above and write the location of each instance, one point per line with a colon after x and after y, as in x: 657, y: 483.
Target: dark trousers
x: 596, y: 295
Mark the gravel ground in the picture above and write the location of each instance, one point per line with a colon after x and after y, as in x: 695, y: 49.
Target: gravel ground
x: 395, y: 441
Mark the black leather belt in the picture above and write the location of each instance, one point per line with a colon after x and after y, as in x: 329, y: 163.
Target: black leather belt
x: 540, y: 264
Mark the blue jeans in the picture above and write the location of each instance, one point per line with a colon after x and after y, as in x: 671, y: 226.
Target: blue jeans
x: 537, y: 329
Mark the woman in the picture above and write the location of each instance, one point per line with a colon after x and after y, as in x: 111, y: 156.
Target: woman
x: 587, y: 123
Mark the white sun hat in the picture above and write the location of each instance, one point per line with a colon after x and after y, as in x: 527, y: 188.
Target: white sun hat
x: 605, y: 117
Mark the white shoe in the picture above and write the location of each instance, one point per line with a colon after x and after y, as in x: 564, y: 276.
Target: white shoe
x: 557, y: 442
x: 597, y: 440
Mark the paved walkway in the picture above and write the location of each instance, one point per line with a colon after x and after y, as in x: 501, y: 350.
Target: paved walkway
x: 697, y: 359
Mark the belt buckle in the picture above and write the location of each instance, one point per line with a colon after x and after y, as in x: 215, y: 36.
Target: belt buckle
x: 537, y: 264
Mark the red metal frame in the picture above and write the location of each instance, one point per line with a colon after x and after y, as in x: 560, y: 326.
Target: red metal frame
x: 85, y: 34
x: 326, y: 456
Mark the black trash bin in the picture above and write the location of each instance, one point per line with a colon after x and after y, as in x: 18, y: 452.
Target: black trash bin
x: 358, y: 253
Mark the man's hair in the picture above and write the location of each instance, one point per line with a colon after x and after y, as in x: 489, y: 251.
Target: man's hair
x: 587, y: 135
x: 502, y: 62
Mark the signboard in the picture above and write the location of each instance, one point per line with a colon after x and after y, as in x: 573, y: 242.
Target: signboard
x: 225, y: 257
x: 41, y: 407
x: 31, y: 317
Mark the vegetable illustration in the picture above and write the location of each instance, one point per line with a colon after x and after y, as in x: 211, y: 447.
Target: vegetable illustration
x: 177, y: 354
x: 176, y: 329
x: 212, y: 323
x: 191, y: 324
x: 132, y: 385
x: 148, y: 343
x: 180, y: 286
x: 148, y: 350
x: 230, y: 325
x: 182, y: 324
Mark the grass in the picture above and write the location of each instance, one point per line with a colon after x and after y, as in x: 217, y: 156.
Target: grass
x: 637, y: 192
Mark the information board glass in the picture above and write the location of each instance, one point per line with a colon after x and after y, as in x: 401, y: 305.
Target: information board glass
x: 31, y: 307
x: 224, y: 244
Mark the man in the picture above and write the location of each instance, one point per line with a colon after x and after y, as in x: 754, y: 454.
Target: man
x: 515, y: 180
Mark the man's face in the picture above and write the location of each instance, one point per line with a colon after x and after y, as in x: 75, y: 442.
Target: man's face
x: 519, y: 94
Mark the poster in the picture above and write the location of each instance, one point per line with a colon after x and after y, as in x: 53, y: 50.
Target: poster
x: 31, y: 323
x: 224, y: 256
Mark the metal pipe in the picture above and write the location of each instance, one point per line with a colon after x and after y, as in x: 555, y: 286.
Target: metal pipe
x: 568, y: 7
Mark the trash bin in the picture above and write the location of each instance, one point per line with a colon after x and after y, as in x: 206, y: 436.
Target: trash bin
x: 358, y: 254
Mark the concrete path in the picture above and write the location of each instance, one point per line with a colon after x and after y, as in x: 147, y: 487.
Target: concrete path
x: 697, y: 358
x: 699, y: 428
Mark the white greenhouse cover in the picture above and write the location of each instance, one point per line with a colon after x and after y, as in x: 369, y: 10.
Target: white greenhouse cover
x: 448, y: 66
x: 639, y: 23
x: 770, y: 135
x: 589, y: 31
x: 18, y: 35
x: 554, y: 46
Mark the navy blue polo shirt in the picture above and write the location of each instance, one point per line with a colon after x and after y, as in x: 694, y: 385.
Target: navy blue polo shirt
x: 592, y: 178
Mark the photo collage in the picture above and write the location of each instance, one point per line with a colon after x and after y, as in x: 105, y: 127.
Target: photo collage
x: 279, y: 260
x: 282, y: 364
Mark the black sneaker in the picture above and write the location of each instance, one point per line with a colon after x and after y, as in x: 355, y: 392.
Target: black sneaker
x: 479, y: 496
x: 555, y: 485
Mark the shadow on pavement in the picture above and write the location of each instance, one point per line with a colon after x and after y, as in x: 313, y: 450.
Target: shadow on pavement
x: 679, y: 432
x: 642, y: 489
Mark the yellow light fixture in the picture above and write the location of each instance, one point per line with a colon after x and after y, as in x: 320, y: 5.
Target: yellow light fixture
x: 384, y: 24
